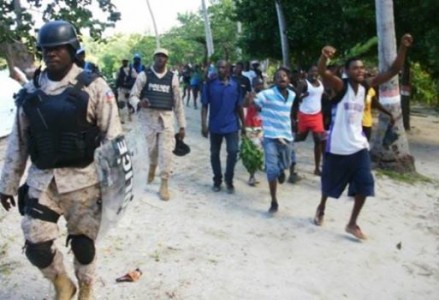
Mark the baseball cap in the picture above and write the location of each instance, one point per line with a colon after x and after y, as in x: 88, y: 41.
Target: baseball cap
x: 161, y: 51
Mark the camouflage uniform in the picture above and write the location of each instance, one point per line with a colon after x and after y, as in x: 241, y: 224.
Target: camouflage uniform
x: 158, y: 125
x: 71, y: 192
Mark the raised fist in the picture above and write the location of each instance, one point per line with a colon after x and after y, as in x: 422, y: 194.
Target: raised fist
x: 328, y: 51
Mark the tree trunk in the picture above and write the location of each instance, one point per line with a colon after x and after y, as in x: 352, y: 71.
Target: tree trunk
x: 207, y: 30
x: 157, y: 36
x: 397, y: 156
x: 20, y: 61
x: 18, y: 56
x: 283, y: 34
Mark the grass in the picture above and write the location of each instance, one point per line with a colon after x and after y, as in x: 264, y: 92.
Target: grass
x: 410, y: 178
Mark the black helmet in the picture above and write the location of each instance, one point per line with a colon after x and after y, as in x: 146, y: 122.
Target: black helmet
x: 181, y: 149
x: 57, y: 33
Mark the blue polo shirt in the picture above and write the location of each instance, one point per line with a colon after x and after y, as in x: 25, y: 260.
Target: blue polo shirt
x: 223, y: 99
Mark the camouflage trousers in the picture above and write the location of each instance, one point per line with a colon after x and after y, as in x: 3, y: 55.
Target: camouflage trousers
x: 123, y: 96
x: 161, y: 143
x: 82, y: 212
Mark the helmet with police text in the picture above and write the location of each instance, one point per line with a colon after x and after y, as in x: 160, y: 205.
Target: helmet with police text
x: 57, y: 33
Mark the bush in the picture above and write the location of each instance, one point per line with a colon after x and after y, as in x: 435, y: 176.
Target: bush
x: 425, y: 89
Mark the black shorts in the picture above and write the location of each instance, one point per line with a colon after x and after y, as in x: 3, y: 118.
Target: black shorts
x: 340, y: 170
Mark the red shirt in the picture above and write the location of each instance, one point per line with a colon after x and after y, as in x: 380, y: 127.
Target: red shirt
x: 252, y: 118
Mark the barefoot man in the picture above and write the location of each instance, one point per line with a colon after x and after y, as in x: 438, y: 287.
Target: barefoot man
x: 347, y: 159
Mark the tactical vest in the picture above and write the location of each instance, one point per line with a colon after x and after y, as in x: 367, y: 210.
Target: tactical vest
x: 59, y: 134
x: 158, y: 90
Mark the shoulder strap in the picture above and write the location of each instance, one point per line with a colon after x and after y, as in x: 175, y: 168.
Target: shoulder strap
x: 20, y: 97
x: 341, y: 94
x: 305, y: 86
x: 85, y: 79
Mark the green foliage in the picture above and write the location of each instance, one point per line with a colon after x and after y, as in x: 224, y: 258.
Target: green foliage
x: 188, y: 41
x: 341, y: 23
x: 310, y: 26
x: 108, y: 54
x: 410, y: 178
x: 420, y: 19
x: 361, y: 49
x: 222, y: 20
x: 3, y: 64
x: 17, y: 23
x: 252, y: 157
x: 425, y: 89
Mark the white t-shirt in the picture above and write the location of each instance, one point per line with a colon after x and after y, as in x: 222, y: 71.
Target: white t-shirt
x: 346, y: 134
x: 312, y: 104
x: 250, y: 74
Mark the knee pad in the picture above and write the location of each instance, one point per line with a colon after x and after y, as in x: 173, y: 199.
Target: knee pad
x: 83, y: 248
x: 40, y: 254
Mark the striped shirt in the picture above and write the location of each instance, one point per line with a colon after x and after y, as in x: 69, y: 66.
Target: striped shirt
x: 275, y: 113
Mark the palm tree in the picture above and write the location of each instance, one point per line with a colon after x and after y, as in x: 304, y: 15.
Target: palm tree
x: 283, y: 34
x: 157, y: 37
x: 397, y: 156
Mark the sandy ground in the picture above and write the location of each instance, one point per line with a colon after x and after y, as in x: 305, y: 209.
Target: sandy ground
x: 205, y: 245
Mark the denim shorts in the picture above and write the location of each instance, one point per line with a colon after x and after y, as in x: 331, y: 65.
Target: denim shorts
x: 277, y: 157
x: 340, y: 170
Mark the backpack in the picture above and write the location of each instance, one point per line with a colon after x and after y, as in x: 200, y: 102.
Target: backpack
x: 129, y: 80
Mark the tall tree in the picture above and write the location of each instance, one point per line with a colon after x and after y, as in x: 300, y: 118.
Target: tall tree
x: 283, y: 33
x: 310, y: 24
x: 397, y: 155
x: 17, y: 24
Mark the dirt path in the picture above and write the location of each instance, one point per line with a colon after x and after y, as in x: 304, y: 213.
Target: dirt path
x: 205, y: 245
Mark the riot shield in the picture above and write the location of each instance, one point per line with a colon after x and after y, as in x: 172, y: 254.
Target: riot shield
x: 114, y: 165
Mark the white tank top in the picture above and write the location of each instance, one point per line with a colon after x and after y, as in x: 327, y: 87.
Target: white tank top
x: 346, y: 134
x: 312, y: 104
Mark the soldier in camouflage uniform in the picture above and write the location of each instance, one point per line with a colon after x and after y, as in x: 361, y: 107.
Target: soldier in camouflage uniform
x: 62, y: 116
x: 156, y: 94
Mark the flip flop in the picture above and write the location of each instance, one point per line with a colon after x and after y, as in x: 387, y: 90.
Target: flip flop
x: 356, y: 232
x: 318, y: 219
x: 130, y: 276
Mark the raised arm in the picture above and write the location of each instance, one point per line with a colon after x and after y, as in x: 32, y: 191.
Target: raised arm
x: 398, y: 63
x: 331, y: 79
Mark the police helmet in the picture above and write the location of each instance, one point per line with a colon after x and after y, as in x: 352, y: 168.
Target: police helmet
x: 57, y: 33
x: 181, y: 149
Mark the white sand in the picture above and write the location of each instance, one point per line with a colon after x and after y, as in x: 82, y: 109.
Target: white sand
x: 205, y: 245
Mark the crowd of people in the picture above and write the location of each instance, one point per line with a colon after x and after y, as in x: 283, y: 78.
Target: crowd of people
x: 68, y: 111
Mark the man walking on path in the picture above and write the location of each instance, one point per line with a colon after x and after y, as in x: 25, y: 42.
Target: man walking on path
x: 347, y: 159
x: 275, y: 105
x: 156, y: 94
x: 310, y: 116
x: 124, y: 82
x: 223, y: 97
x: 65, y: 106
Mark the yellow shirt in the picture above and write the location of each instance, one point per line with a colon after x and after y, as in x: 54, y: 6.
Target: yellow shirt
x: 367, y: 116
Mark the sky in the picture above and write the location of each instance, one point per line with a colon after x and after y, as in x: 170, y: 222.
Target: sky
x: 136, y: 18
